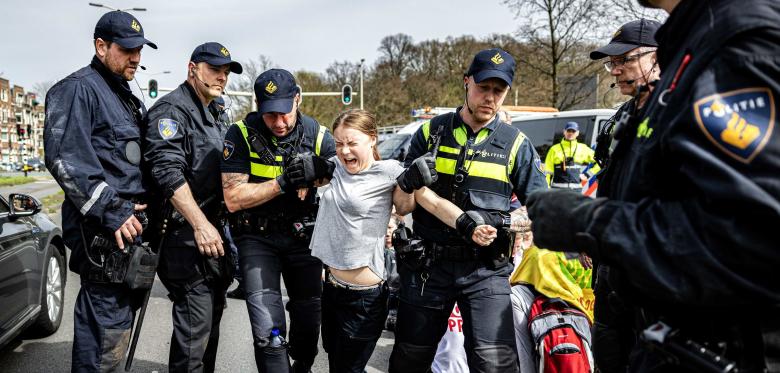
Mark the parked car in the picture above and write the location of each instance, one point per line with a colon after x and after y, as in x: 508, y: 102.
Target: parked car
x: 34, y: 164
x: 546, y: 129
x: 32, y: 270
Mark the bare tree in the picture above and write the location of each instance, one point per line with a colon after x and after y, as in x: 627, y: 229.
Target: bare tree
x: 41, y: 88
x: 240, y: 106
x: 555, y: 32
x: 625, y: 11
x: 340, y: 73
x: 397, y: 52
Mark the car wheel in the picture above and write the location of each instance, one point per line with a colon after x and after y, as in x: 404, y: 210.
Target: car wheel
x: 52, y: 299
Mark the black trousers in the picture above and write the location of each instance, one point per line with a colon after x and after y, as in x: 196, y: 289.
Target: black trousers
x: 427, y: 299
x: 352, y: 322
x: 265, y: 260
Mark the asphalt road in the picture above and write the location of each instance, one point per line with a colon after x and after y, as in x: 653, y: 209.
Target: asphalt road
x: 235, y: 354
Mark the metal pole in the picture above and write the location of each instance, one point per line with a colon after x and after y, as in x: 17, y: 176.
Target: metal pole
x: 362, y: 60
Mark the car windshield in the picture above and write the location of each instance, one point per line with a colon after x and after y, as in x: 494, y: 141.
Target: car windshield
x: 389, y: 146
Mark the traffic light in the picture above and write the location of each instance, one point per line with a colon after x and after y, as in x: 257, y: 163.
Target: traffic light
x: 152, y: 88
x: 346, y: 94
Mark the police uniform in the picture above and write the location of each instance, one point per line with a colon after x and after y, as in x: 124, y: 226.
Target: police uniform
x: 476, y: 171
x: 694, y: 202
x: 273, y: 238
x: 567, y: 160
x: 92, y: 146
x: 184, y: 146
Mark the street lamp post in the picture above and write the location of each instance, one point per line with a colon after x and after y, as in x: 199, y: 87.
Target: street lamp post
x: 99, y: 5
x: 362, y: 62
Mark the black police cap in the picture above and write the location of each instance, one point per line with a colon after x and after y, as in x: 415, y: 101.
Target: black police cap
x: 275, y: 90
x: 632, y: 35
x: 215, y: 54
x: 492, y: 63
x: 121, y: 28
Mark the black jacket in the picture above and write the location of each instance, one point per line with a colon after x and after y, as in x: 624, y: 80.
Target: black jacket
x: 92, y: 145
x: 695, y: 198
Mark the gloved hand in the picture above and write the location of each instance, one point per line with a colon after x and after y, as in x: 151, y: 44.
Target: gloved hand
x: 316, y: 168
x: 469, y: 220
x: 293, y: 176
x: 560, y: 220
x: 422, y: 172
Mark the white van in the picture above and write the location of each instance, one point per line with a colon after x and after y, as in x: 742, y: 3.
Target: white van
x: 544, y: 130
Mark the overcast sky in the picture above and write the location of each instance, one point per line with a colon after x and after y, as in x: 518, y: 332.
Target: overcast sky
x: 45, y: 40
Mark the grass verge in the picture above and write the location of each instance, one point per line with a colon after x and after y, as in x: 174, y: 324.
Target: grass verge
x: 15, y: 180
x: 52, y: 203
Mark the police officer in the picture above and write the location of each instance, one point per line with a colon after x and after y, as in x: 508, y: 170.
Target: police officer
x: 269, y: 191
x: 183, y: 150
x: 569, y: 161
x: 92, y: 146
x: 690, y: 219
x: 480, y: 162
x: 632, y: 62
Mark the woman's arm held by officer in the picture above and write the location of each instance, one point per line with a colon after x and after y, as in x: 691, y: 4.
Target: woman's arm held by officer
x: 240, y: 194
x: 206, y: 236
x: 448, y: 213
x: 404, y: 202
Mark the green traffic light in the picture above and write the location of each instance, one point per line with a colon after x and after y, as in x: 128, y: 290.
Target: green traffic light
x: 153, y: 94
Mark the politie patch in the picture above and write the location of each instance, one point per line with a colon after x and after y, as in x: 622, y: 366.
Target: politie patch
x: 538, y: 164
x: 738, y: 122
x: 227, y: 149
x: 167, y: 128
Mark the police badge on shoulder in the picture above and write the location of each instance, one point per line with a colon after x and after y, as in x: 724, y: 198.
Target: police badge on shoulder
x: 167, y: 128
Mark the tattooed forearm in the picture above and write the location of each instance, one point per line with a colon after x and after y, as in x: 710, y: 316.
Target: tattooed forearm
x: 240, y: 194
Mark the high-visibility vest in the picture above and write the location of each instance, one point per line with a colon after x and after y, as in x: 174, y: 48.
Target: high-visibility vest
x: 565, y: 162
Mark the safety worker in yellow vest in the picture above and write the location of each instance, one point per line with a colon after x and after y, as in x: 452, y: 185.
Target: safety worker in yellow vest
x: 567, y: 162
x: 267, y: 181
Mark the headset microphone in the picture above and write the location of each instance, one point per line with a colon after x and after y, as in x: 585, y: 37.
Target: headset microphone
x: 631, y: 81
x: 142, y: 67
x: 466, y: 88
x: 199, y: 79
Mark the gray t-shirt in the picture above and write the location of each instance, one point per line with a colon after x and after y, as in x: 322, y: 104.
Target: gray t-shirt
x: 353, y: 216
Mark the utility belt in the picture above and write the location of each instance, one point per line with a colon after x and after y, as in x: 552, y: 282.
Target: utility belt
x: 135, y: 266
x: 574, y: 186
x: 417, y: 253
x: 300, y: 227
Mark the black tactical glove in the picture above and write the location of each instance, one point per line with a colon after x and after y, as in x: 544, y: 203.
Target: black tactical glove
x: 560, y: 220
x: 316, y: 168
x: 293, y: 177
x: 469, y: 220
x: 422, y: 172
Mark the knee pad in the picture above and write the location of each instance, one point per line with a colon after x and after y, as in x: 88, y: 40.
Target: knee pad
x: 409, y: 358
x: 266, y: 312
x: 493, y: 359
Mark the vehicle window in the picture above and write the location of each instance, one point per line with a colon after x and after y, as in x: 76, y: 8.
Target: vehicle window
x: 543, y: 133
x: 4, y: 209
x: 391, y: 147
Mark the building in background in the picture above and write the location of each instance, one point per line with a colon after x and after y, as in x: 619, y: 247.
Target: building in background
x: 21, y: 125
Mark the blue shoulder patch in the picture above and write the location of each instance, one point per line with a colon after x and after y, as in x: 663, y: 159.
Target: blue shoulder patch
x: 738, y: 122
x: 538, y: 164
x: 167, y: 128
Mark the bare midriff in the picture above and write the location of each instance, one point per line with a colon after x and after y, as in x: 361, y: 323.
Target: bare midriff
x: 358, y: 276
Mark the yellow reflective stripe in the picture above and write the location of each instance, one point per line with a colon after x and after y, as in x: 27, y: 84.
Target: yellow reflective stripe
x: 482, y: 135
x: 242, y: 126
x: 487, y: 170
x: 266, y: 171
x: 513, y: 152
x: 320, y: 136
x: 446, y: 166
x: 426, y: 128
x: 447, y: 149
x: 460, y: 135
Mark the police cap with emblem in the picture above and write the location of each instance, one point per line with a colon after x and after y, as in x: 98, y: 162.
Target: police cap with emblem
x: 492, y: 63
x: 121, y: 28
x: 632, y: 35
x: 215, y: 54
x: 275, y: 90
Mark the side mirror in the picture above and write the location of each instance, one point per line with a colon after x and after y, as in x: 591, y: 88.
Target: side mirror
x: 23, y: 205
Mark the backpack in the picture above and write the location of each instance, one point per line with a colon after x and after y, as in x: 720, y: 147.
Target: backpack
x: 561, y: 336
